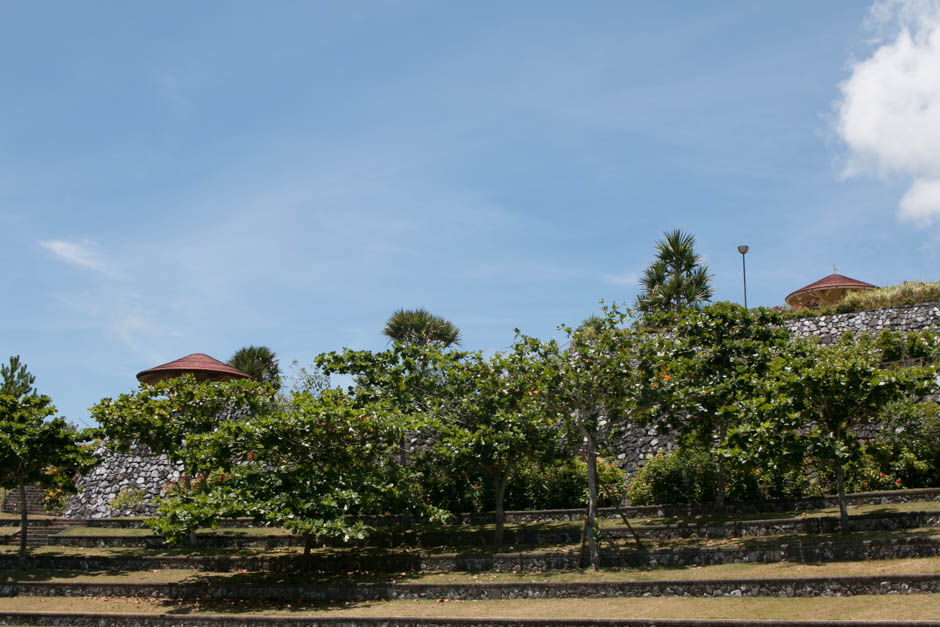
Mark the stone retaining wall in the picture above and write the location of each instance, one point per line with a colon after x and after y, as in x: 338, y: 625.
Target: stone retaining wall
x: 203, y: 620
x: 123, y: 484
x: 830, y: 328
x: 545, y: 537
x: 314, y: 592
x: 801, y: 552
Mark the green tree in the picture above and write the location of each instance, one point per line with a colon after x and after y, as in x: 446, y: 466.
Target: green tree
x: 167, y: 415
x: 419, y: 326
x: 489, y: 419
x: 815, y: 400
x: 677, y: 278
x: 36, y: 448
x: 601, y: 384
x: 259, y: 362
x: 310, y: 467
x: 714, y: 359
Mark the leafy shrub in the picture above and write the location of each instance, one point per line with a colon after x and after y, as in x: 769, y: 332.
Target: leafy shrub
x: 687, y: 475
x: 561, y: 485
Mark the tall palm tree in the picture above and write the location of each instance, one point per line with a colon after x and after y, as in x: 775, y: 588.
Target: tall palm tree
x: 259, y: 362
x: 419, y: 326
x: 677, y: 278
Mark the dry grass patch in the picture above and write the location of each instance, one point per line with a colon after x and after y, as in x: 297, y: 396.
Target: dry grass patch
x: 927, y: 565
x: 895, y: 607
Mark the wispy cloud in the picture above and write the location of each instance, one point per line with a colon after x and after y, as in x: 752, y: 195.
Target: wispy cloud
x: 628, y: 279
x: 889, y: 113
x: 79, y: 254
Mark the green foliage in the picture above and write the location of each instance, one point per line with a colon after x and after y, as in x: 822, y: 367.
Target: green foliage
x: 601, y: 384
x: 419, y: 326
x: 677, y: 278
x: 260, y: 362
x: 36, y: 447
x: 815, y: 401
x: 689, y: 476
x: 908, y: 293
x: 17, y: 381
x: 534, y: 485
x: 128, y: 498
x: 167, y: 416
x: 308, y: 469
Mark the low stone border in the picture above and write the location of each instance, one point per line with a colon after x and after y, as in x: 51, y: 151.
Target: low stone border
x: 888, y: 521
x: 314, y: 592
x: 190, y: 620
x: 502, y: 562
x: 632, y: 511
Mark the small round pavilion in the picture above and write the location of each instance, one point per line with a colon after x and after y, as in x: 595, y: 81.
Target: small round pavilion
x: 201, y: 366
x: 826, y: 291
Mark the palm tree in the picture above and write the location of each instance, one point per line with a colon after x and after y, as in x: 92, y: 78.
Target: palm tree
x: 259, y: 362
x: 421, y: 327
x: 677, y: 278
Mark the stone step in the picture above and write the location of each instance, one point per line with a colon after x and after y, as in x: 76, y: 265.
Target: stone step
x: 359, y: 592
x: 217, y: 620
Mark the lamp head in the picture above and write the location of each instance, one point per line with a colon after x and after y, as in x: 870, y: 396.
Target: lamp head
x: 743, y: 249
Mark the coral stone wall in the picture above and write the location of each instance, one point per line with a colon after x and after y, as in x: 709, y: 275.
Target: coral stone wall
x: 123, y: 484
x: 830, y: 328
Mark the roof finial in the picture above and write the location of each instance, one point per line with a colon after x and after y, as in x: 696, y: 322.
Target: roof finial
x: 835, y: 270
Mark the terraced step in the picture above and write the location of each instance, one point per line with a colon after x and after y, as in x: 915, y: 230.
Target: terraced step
x: 535, y: 535
x: 341, y: 562
x: 209, y: 620
x: 315, y: 592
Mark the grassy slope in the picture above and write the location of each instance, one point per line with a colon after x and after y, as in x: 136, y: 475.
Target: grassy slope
x: 896, y: 607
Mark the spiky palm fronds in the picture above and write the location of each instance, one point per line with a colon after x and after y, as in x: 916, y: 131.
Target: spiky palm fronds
x: 677, y: 278
x: 259, y: 362
x: 419, y: 326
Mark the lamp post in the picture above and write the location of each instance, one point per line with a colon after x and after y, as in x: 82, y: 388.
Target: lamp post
x: 743, y: 250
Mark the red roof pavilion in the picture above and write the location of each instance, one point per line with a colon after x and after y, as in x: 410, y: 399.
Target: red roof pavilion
x: 826, y: 291
x: 200, y: 365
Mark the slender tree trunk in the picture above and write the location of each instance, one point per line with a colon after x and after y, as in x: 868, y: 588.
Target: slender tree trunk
x: 843, y: 512
x: 502, y: 479
x: 590, y: 454
x: 24, y: 525
x: 722, y: 471
x: 308, y: 542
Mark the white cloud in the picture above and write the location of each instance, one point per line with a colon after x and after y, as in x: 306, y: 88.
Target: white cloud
x: 625, y: 278
x: 889, y: 113
x: 79, y: 254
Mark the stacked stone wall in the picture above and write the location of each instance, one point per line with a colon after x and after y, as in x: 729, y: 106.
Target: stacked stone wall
x: 123, y: 484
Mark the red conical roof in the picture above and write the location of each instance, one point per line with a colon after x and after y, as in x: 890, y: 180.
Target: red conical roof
x: 199, y: 365
x: 833, y: 281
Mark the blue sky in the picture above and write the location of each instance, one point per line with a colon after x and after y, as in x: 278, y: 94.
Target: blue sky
x: 185, y: 177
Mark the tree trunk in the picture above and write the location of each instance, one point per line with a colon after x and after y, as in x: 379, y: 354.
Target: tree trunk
x: 590, y: 454
x: 24, y: 525
x: 308, y: 541
x: 722, y: 472
x: 502, y: 479
x: 843, y: 512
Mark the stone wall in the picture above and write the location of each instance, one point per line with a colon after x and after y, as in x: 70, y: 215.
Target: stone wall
x: 830, y: 328
x: 123, y: 484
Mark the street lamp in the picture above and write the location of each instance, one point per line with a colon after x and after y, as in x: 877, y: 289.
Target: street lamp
x: 743, y: 250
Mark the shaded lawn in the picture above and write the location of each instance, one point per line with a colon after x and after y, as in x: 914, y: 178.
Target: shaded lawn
x: 926, y: 565
x: 616, y: 544
x: 894, y: 607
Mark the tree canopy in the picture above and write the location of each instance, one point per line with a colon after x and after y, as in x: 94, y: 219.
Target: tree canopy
x: 419, y: 326
x: 259, y: 362
x: 677, y: 278
x: 36, y: 447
